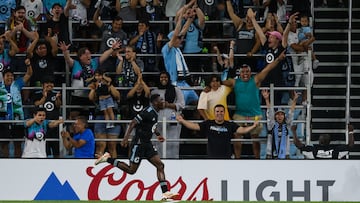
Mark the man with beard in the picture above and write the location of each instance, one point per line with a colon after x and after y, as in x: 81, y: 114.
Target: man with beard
x: 22, y: 31
x: 110, y: 33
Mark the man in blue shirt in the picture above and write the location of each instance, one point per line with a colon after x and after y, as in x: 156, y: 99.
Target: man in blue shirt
x: 83, y: 140
x: 175, y: 62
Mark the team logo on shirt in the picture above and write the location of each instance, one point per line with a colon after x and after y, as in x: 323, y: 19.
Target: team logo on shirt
x: 31, y: 13
x: 9, y: 98
x: 49, y: 106
x: 3, y: 9
x: 39, y: 135
x: 209, y: 2
x: 43, y: 63
x: 269, y: 58
x: 110, y: 41
x: 191, y: 28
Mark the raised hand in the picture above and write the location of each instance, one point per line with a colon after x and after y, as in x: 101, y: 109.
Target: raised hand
x: 63, y: 47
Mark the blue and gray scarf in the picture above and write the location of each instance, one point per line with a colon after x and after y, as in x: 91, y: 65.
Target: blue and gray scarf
x: 280, y: 144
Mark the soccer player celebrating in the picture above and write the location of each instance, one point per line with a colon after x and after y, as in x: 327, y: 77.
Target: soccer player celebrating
x: 141, y: 146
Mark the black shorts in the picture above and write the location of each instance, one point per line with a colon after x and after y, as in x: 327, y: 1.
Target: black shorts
x: 140, y: 151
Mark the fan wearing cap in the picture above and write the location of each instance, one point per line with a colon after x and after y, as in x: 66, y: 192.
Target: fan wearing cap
x: 11, y: 108
x: 278, y: 124
x: 273, y: 43
x: 247, y: 101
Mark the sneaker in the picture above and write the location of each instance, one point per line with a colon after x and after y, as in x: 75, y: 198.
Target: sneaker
x: 315, y: 64
x: 110, y: 125
x: 169, y: 195
x: 103, y: 158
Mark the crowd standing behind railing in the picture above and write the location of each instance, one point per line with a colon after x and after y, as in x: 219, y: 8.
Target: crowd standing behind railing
x: 58, y: 43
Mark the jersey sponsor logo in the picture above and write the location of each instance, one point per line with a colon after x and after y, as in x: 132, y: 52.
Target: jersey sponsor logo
x: 219, y: 129
x: 243, y: 34
x: 324, y: 154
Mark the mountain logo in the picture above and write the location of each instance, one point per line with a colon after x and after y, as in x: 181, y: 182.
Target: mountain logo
x: 54, y: 190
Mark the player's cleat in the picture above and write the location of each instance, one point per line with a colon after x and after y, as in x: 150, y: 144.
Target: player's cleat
x: 169, y: 195
x: 103, y: 158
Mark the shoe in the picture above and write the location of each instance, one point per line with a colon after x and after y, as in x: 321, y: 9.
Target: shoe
x: 169, y: 195
x: 103, y: 158
x: 316, y: 64
x: 110, y: 125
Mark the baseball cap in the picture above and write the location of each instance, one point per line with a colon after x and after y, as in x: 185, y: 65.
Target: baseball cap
x: 279, y: 110
x: 277, y: 34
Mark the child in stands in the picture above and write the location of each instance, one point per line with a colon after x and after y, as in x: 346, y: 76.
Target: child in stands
x: 306, y: 32
x: 278, y: 125
x: 100, y: 83
x: 226, y: 61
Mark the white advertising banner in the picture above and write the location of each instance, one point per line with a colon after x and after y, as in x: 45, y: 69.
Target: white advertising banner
x: 231, y: 180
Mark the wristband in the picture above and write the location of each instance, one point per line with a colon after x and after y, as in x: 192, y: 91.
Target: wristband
x: 351, y: 133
